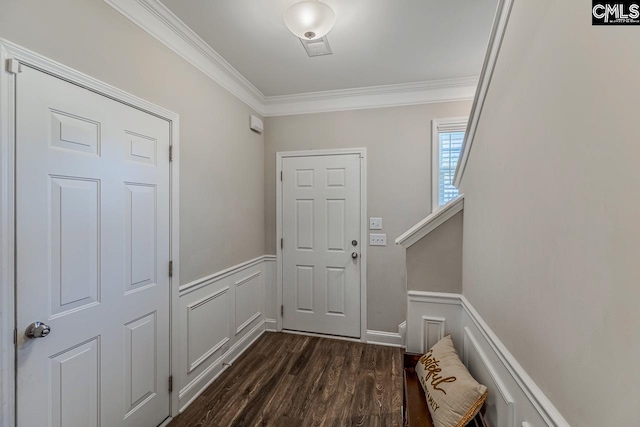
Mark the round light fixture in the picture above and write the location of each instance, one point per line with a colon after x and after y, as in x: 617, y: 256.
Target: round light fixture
x: 309, y: 20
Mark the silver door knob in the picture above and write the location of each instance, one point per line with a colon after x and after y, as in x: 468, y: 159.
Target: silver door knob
x: 354, y: 255
x: 37, y: 330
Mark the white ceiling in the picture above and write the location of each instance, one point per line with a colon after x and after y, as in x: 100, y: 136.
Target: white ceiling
x: 374, y: 42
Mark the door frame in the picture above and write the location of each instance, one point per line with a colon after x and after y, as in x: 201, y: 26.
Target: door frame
x: 11, y: 58
x: 362, y: 152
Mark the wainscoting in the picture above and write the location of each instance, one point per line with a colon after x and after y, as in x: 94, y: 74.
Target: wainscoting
x: 514, y: 400
x: 221, y: 315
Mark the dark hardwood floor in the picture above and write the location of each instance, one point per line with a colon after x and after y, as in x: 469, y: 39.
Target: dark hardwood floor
x: 294, y: 380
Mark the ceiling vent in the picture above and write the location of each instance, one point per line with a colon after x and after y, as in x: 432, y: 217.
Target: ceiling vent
x: 317, y: 47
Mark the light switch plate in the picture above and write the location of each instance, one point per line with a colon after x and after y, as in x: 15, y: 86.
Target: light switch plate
x: 375, y: 223
x: 377, y: 239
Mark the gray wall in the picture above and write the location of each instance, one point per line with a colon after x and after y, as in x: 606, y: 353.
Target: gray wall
x: 434, y: 263
x: 221, y: 169
x: 398, y: 142
x: 552, y: 208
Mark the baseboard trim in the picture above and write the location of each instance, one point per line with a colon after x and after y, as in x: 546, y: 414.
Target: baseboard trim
x: 271, y: 325
x: 209, y: 375
x: 314, y: 334
x: 520, y: 396
x: 402, y: 330
x: 390, y: 339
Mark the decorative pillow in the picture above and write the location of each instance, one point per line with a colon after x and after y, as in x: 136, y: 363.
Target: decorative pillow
x: 453, y: 396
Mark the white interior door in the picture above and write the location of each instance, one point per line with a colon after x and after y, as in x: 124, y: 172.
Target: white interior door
x: 321, y: 244
x: 92, y: 233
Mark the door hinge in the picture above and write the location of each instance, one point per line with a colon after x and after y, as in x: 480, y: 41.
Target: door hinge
x: 281, y: 175
x: 13, y: 66
x: 170, y: 383
x: 15, y: 336
x: 170, y: 268
x: 281, y: 243
x: 282, y: 310
x: 171, y: 153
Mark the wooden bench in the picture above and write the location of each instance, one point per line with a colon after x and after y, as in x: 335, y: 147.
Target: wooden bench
x: 415, y: 409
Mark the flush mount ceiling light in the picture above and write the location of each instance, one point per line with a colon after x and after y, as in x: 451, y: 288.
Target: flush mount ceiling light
x: 309, y: 20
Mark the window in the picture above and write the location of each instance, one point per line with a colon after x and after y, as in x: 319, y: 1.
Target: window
x: 447, y: 138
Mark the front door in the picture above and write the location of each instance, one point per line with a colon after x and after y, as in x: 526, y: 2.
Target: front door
x: 92, y: 237
x: 321, y: 248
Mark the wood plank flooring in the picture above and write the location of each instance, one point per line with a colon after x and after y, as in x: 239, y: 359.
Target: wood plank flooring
x: 295, y: 380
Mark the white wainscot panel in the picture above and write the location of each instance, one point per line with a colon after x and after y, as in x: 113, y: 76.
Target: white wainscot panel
x: 270, y: 292
x: 207, y: 327
x: 500, y: 406
x: 429, y: 319
x: 513, y: 400
x: 432, y: 331
x: 221, y: 315
x: 248, y: 300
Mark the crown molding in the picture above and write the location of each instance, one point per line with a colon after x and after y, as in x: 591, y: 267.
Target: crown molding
x: 157, y: 20
x: 372, y: 97
x: 498, y: 29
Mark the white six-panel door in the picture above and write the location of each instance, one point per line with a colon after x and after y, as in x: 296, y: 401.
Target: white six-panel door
x: 321, y: 244
x: 92, y: 230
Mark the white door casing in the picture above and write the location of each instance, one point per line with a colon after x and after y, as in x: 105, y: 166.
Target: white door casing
x: 93, y: 248
x: 321, y: 217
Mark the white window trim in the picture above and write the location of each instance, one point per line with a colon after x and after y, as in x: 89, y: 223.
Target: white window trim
x: 453, y: 124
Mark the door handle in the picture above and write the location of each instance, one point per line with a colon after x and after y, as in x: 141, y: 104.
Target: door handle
x: 37, y: 330
x: 354, y: 255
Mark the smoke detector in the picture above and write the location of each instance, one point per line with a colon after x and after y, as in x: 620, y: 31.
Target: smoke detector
x: 317, y: 47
